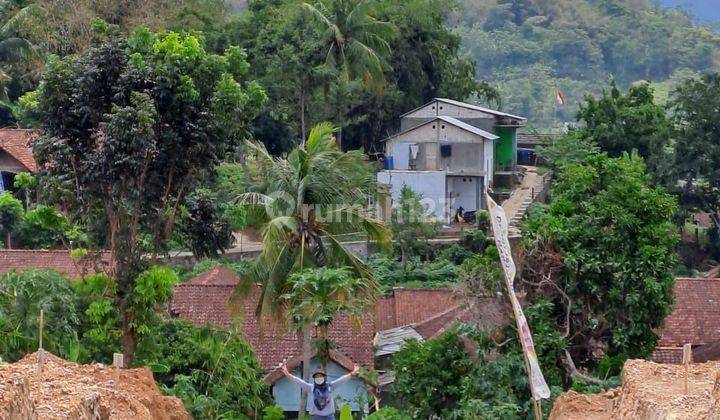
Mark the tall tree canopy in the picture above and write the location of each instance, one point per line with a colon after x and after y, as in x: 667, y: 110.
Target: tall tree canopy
x: 697, y: 146
x: 416, y: 55
x: 129, y: 127
x: 620, y: 123
x: 604, y: 251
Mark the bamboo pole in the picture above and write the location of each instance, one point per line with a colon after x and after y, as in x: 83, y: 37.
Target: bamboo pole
x: 41, y: 351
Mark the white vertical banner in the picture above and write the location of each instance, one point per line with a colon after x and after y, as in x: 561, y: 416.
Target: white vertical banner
x: 538, y: 386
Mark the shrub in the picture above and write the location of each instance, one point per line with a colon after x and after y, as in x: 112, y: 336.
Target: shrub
x: 215, y: 373
x: 389, y: 413
x: 22, y: 295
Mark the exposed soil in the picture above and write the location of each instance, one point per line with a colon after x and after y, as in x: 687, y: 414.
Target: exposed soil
x: 649, y: 391
x: 66, y: 390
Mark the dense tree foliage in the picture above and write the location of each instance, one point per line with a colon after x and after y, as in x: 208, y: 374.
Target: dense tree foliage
x: 22, y: 296
x: 413, y: 58
x: 129, y: 127
x: 604, y: 251
x: 215, y: 373
x: 620, y: 123
x: 472, y: 373
x: 697, y: 146
x: 532, y: 49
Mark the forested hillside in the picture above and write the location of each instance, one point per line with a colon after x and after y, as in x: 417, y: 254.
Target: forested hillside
x: 532, y: 49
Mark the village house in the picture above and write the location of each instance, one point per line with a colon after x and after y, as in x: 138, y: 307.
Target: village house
x: 15, y: 155
x: 205, y: 300
x: 695, y: 320
x: 451, y: 152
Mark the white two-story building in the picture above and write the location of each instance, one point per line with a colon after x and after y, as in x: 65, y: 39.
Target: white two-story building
x: 449, y: 151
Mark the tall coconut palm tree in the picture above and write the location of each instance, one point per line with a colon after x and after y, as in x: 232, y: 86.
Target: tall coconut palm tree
x: 309, y: 198
x: 357, y: 41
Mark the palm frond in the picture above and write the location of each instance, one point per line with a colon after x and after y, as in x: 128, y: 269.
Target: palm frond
x: 20, y: 19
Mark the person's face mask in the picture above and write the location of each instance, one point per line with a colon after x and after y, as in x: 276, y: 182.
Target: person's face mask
x: 319, y: 380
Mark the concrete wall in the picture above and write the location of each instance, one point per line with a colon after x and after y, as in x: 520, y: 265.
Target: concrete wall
x: 489, y: 155
x: 10, y: 164
x: 430, y: 184
x: 353, y: 392
x: 468, y: 149
x: 465, y: 192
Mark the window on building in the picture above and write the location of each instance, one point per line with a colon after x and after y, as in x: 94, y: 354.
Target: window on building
x: 445, y: 150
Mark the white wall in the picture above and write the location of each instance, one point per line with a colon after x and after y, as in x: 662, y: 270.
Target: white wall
x: 430, y: 184
x: 464, y: 192
x: 489, y: 156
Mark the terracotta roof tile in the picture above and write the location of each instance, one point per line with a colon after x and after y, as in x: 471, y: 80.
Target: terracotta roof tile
x: 205, y: 300
x: 16, y: 142
x: 60, y: 260
x: 695, y: 318
x: 410, y: 306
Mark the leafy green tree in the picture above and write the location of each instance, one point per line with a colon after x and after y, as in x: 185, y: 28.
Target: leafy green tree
x: 570, y: 148
x: 103, y: 321
x: 698, y: 144
x: 22, y: 296
x: 469, y: 372
x: 45, y: 227
x: 158, y: 112
x: 620, y: 123
x: 388, y: 413
x: 203, y: 226
x: 215, y: 373
x: 410, y: 224
x: 316, y: 296
x: 310, y: 197
x: 604, y: 251
x: 25, y: 182
x: 11, y: 215
x: 428, y: 376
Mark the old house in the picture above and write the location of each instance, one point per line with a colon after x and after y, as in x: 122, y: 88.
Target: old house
x: 695, y: 320
x: 451, y: 152
x: 205, y: 300
x: 15, y: 155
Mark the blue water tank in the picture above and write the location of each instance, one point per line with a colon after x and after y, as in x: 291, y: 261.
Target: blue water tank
x: 388, y: 162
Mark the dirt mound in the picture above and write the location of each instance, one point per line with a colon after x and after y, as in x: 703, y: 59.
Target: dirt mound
x: 569, y: 405
x: 649, y: 391
x: 66, y: 390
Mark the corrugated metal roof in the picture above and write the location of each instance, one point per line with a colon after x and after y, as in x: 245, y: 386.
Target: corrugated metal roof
x: 392, y: 340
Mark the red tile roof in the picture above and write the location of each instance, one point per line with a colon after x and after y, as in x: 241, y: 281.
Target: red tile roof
x: 695, y: 318
x: 410, y: 306
x: 16, y: 142
x: 205, y: 300
x: 60, y: 260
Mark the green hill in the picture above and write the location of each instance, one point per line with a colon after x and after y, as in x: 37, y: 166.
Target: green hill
x: 533, y: 49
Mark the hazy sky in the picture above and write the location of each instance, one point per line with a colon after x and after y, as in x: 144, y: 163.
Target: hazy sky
x: 705, y: 10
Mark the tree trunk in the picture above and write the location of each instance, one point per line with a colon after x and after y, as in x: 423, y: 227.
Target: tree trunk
x: 326, y: 356
x: 8, y: 242
x: 129, y: 341
x: 302, y: 113
x: 306, y: 337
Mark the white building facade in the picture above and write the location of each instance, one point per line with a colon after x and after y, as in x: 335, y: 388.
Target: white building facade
x: 446, y: 152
